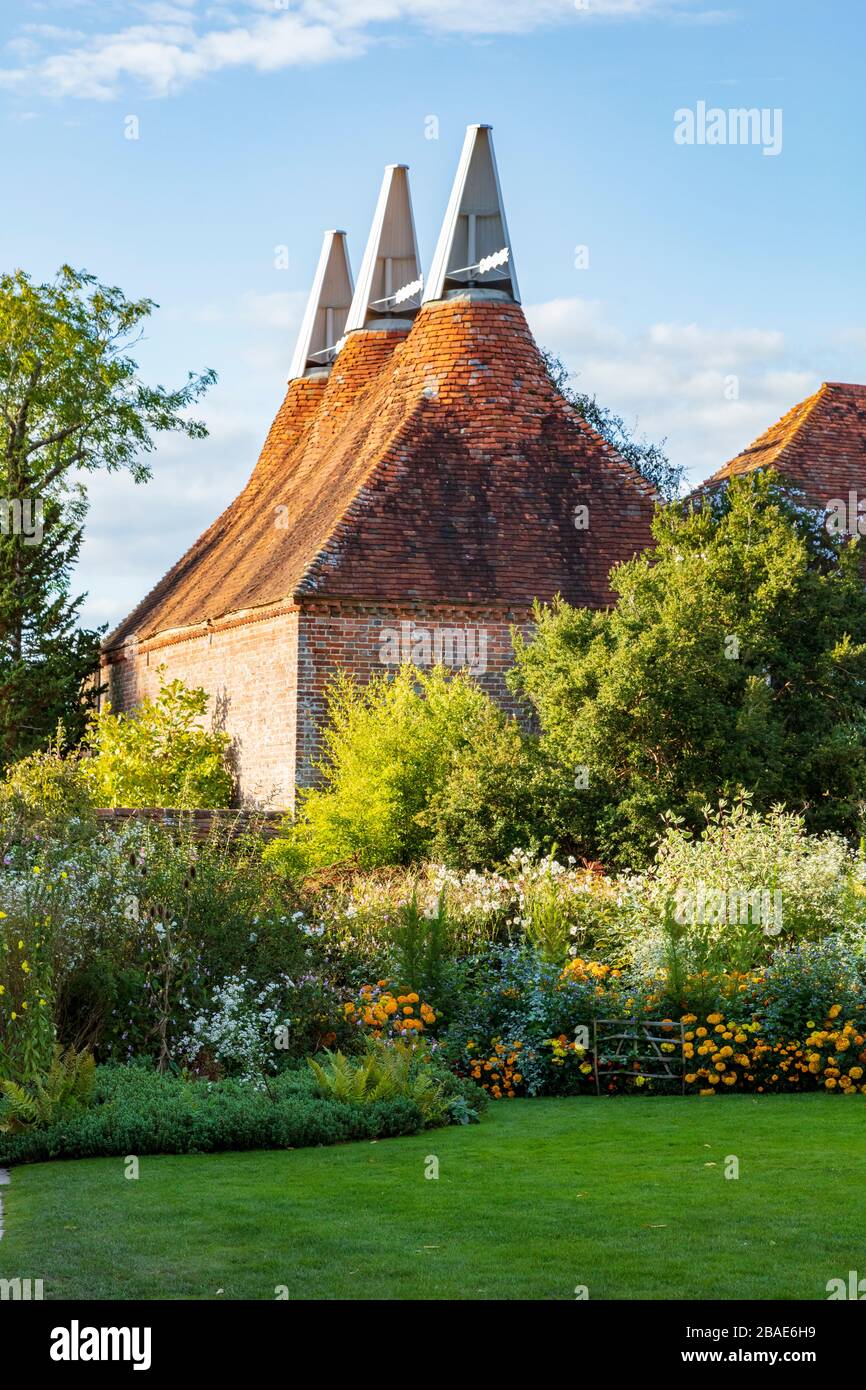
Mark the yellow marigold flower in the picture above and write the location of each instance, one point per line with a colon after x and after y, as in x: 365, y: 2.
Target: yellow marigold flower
x: 691, y: 1078
x: 701, y: 1032
x: 714, y: 1018
x: 856, y: 1072
x: 835, y: 1011
x: 710, y: 1092
x: 830, y: 1082
x: 729, y: 1079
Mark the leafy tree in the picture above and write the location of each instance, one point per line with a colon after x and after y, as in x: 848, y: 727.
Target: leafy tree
x: 502, y: 792
x: 648, y: 459
x: 71, y: 403
x: 158, y: 754
x: 45, y: 656
x: 735, y: 658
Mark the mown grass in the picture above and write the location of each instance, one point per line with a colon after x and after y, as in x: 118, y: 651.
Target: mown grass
x: 628, y: 1197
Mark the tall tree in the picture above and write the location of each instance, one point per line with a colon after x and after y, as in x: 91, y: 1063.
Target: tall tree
x: 71, y: 402
x: 648, y: 459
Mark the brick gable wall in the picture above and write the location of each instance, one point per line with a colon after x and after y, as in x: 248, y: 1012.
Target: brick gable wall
x: 249, y: 668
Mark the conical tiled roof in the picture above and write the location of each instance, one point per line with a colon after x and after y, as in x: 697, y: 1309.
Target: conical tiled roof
x: 820, y: 445
x: 236, y: 563
x: 441, y: 465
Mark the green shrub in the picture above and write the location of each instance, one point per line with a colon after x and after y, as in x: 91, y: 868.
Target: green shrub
x: 734, y: 658
x: 29, y: 926
x: 139, y: 1111
x: 128, y: 935
x: 420, y: 942
x: 46, y: 794
x: 502, y: 793
x: 389, y: 747
x: 387, y: 1070
x: 721, y: 900
x: 158, y: 754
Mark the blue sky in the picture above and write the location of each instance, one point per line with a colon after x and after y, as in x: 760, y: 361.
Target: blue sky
x: 262, y: 122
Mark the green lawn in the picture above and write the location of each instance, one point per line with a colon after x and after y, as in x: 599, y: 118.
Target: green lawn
x: 625, y: 1196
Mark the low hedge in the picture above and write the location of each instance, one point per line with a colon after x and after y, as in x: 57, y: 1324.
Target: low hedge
x: 137, y: 1110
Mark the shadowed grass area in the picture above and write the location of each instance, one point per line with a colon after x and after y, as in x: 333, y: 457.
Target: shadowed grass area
x: 628, y: 1197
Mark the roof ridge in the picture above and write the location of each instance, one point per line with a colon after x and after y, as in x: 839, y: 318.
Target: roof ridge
x: 776, y: 439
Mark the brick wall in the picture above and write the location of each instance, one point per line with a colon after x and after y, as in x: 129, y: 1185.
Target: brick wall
x: 198, y: 824
x: 249, y: 670
x: 370, y: 638
x: 267, y: 677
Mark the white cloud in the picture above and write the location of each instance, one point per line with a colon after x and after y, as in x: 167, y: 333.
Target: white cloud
x: 179, y: 43
x: 708, y: 391
x: 728, y: 347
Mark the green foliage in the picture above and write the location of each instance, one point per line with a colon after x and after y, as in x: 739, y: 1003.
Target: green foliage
x: 547, y: 920
x: 389, y: 748
x: 735, y: 657
x: 72, y: 403
x: 66, y: 1085
x: 158, y: 754
x: 28, y: 934
x: 502, y: 793
x: 171, y: 919
x: 45, y: 794
x: 721, y: 900
x: 420, y: 944
x: 650, y: 460
x: 388, y: 1071
x: 46, y: 659
x: 140, y: 1111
